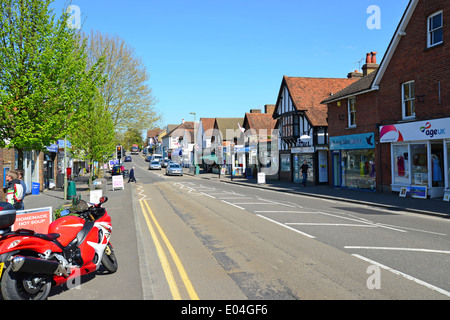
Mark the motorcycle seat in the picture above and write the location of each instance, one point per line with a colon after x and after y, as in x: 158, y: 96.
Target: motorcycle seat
x: 48, y: 237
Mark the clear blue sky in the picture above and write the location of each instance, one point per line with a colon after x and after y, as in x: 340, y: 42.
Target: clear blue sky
x: 223, y: 58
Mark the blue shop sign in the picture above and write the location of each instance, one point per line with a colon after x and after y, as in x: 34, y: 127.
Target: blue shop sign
x: 353, y: 141
x: 52, y: 148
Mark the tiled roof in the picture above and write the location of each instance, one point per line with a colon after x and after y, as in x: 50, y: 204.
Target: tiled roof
x: 308, y: 93
x: 359, y: 86
x: 222, y: 124
x: 208, y: 124
x: 259, y: 121
x: 154, y: 132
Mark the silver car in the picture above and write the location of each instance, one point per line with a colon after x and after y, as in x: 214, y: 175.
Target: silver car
x: 155, y: 165
x: 174, y: 169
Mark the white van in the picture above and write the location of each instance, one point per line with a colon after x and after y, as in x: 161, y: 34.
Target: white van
x: 158, y: 157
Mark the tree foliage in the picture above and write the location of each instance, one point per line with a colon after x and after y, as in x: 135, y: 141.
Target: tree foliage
x: 126, y: 92
x: 94, y: 139
x: 44, y: 80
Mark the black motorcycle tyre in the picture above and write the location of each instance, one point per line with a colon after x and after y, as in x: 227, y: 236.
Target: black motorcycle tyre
x: 13, y: 286
x: 109, y: 260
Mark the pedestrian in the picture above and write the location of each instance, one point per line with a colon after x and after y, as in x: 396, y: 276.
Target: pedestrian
x: 304, y: 169
x: 24, y: 186
x: 131, y: 176
x: 14, y: 190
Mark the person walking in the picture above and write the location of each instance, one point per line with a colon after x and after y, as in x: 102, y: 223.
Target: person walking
x: 304, y: 169
x: 131, y: 176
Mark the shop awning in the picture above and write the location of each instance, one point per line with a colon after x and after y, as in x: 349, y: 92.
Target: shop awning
x: 210, y: 158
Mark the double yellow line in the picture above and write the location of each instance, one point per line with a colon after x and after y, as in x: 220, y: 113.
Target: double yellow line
x: 163, y: 258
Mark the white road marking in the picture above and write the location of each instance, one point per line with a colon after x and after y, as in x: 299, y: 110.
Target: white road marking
x: 232, y: 204
x: 426, y: 284
x: 287, y: 227
x: 398, y: 249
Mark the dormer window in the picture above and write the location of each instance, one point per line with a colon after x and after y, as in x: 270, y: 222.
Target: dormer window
x: 435, y: 29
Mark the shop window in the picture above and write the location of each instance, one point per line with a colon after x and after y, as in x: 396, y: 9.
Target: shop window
x: 435, y: 29
x: 285, y: 162
x: 401, y: 164
x: 358, y: 169
x: 408, y: 100
x: 419, y: 165
x: 352, y: 112
x: 437, y: 164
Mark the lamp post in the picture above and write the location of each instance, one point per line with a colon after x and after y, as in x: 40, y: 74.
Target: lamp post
x: 195, y: 143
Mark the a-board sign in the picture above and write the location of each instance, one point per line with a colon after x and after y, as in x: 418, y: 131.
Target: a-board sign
x: 37, y: 220
x: 117, y: 182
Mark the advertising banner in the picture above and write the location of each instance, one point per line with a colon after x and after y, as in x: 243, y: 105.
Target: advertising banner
x: 418, y: 130
x: 37, y: 220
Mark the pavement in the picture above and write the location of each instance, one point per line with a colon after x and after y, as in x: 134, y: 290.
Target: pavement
x: 437, y: 207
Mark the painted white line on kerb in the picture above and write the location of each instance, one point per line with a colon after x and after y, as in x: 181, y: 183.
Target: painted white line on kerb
x: 287, y: 227
x: 423, y: 283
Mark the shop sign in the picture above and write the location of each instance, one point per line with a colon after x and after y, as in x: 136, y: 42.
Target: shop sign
x: 418, y: 130
x: 302, y: 150
x: 353, y: 141
x: 37, y: 220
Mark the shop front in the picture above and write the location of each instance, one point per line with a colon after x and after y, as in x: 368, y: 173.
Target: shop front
x: 353, y: 161
x: 420, y: 155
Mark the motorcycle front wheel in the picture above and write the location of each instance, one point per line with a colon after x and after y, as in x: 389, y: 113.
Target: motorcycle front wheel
x: 24, y: 286
x: 109, y: 260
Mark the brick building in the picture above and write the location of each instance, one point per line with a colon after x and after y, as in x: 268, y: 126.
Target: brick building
x: 396, y: 120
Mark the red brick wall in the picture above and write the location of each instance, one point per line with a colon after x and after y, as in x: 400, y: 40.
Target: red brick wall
x: 426, y: 66
x: 412, y: 60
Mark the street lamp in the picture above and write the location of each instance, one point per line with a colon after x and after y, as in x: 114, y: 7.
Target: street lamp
x: 195, y: 143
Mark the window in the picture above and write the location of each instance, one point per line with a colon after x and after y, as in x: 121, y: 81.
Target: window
x: 435, y: 29
x: 408, y: 100
x: 352, y: 112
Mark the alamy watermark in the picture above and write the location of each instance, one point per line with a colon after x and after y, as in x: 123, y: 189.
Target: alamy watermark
x: 374, y: 20
x: 74, y: 20
x: 374, y: 280
x: 261, y: 145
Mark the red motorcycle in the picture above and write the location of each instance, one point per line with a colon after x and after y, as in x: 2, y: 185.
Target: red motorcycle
x: 32, y: 263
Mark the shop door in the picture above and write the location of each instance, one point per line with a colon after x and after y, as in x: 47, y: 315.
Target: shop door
x: 336, y: 169
x: 297, y: 173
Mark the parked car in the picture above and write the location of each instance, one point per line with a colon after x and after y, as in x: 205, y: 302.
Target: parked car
x: 127, y: 159
x: 174, y: 169
x: 155, y: 165
x: 165, y: 163
x: 116, y: 170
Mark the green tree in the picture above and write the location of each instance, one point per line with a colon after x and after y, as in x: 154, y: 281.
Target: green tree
x: 44, y: 81
x: 132, y: 136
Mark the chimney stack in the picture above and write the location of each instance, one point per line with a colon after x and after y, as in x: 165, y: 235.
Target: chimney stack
x: 355, y: 74
x: 269, y: 108
x: 371, y: 63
